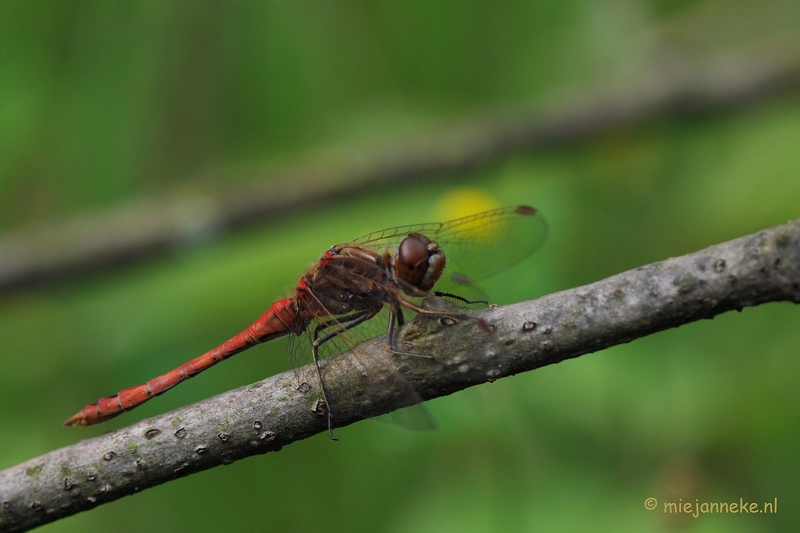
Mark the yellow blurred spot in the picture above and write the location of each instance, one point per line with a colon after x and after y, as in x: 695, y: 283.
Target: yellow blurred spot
x: 464, y: 201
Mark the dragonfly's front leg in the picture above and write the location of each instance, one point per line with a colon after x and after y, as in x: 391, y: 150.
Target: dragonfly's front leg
x: 396, y: 316
x: 440, y: 294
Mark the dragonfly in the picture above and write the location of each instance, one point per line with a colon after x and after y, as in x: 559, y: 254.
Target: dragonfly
x: 381, y: 273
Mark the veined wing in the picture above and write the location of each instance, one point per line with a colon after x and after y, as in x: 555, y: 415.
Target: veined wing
x: 476, y: 246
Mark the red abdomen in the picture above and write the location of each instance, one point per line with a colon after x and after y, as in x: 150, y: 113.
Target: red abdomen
x: 277, y: 321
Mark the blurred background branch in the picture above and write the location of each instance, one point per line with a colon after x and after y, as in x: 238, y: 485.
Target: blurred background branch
x: 94, y: 241
x: 264, y: 417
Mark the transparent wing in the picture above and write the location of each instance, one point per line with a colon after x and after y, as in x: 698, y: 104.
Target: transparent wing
x: 348, y: 374
x: 476, y: 246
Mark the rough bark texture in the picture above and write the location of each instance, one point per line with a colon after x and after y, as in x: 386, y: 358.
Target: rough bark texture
x: 263, y: 417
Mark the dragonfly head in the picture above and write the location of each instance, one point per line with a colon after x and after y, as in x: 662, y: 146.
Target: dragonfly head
x: 419, y: 262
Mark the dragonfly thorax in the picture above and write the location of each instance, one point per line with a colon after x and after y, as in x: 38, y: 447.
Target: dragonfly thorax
x: 418, y: 263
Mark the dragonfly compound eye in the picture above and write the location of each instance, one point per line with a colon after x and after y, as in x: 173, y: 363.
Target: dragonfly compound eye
x: 419, y: 262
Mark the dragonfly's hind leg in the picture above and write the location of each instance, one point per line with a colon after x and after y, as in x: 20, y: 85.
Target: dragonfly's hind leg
x: 349, y: 322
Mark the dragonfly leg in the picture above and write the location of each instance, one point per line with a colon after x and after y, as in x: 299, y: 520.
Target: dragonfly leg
x: 441, y: 294
x: 336, y: 324
x: 417, y: 309
x: 351, y: 321
x: 396, y: 316
x: 397, y: 313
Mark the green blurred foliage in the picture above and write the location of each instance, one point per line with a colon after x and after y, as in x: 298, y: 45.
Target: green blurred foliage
x: 101, y: 102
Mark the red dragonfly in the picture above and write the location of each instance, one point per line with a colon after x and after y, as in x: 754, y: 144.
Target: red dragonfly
x: 352, y: 283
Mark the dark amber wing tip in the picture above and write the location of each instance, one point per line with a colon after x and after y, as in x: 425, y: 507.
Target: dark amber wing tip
x: 526, y: 210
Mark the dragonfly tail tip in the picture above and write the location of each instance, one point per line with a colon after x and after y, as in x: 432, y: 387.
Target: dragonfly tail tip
x: 78, y: 419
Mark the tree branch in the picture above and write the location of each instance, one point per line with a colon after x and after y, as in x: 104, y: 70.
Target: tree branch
x: 94, y: 241
x: 263, y: 417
